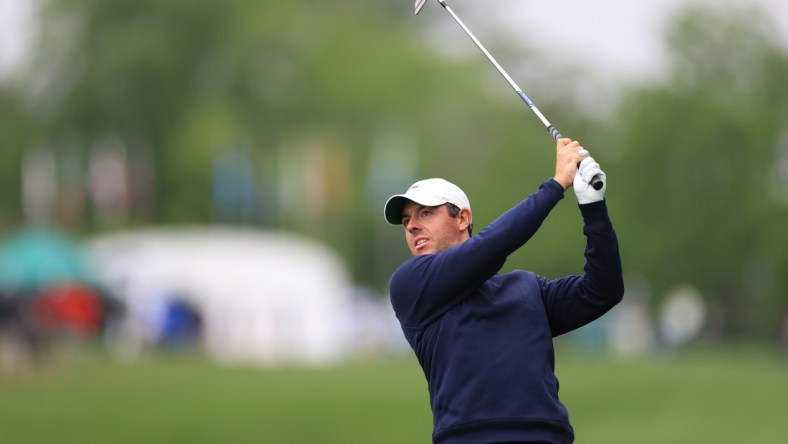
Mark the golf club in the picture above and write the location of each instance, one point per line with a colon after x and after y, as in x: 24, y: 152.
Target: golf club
x: 596, y: 182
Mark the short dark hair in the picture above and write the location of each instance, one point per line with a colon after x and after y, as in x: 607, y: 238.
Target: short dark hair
x: 454, y: 210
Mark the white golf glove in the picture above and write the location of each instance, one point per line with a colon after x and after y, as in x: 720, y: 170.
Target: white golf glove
x: 582, y: 184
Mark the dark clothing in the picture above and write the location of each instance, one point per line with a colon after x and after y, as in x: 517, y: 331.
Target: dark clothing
x: 484, y: 340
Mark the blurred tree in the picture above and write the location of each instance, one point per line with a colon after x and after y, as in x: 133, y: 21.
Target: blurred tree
x: 328, y: 108
x: 310, y: 96
x: 15, y: 129
x: 702, y: 197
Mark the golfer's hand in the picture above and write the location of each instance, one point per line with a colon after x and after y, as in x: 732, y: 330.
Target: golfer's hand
x: 583, y: 190
x: 567, y: 158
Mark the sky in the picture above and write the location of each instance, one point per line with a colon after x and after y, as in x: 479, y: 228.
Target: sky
x: 15, y: 31
x: 618, y: 38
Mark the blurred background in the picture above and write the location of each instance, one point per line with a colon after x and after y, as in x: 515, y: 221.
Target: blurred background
x: 192, y: 246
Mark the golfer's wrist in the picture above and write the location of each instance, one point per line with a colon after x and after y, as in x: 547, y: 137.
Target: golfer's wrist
x: 563, y: 183
x: 554, y: 183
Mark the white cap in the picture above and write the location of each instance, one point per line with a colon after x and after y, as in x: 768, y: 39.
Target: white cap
x: 427, y: 192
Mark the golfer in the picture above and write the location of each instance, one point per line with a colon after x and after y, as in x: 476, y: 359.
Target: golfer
x: 484, y: 339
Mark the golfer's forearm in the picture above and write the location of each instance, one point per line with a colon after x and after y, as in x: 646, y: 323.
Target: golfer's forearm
x: 515, y: 227
x: 603, y: 271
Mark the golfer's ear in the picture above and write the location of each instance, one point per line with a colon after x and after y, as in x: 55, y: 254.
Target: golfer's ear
x: 464, y: 219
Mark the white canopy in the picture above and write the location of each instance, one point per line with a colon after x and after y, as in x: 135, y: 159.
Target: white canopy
x: 264, y: 297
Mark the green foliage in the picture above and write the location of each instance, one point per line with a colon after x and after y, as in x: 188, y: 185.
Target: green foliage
x: 14, y: 130
x: 702, y: 193
x: 334, y: 106
x: 187, y: 81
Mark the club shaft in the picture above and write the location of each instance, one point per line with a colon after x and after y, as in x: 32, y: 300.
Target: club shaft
x: 596, y: 181
x: 553, y: 132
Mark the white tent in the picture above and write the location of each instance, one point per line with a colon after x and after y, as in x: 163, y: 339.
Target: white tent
x: 264, y: 297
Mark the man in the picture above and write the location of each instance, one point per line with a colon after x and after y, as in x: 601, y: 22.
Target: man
x: 484, y: 339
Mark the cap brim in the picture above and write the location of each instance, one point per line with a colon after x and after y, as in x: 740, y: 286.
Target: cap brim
x: 393, y: 208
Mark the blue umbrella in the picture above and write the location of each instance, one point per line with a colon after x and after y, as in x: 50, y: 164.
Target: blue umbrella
x: 35, y: 258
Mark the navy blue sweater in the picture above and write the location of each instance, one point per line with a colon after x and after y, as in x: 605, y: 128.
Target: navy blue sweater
x: 484, y: 339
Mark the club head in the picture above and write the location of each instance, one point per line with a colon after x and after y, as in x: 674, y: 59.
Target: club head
x: 419, y: 4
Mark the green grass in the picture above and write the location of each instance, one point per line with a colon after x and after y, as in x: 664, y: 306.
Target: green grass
x: 733, y: 396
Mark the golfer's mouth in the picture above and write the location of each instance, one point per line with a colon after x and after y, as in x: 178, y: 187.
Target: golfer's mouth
x: 420, y: 243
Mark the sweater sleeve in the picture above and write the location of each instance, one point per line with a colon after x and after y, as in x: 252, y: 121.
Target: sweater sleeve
x: 425, y: 287
x: 574, y: 301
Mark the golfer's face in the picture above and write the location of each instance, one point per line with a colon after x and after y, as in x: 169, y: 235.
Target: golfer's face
x: 430, y: 230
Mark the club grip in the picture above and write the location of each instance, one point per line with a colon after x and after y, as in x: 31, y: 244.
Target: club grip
x: 596, y: 182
